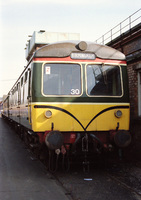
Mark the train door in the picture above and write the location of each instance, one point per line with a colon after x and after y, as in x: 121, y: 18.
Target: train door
x: 7, y: 111
x: 139, y: 93
x: 19, y: 102
x: 29, y: 97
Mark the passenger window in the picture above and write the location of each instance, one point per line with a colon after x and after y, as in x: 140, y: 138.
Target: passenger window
x: 29, y: 85
x: 22, y: 81
x: 19, y: 94
x: 25, y: 80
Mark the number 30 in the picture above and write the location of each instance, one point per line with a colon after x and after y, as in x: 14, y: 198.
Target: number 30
x: 75, y: 91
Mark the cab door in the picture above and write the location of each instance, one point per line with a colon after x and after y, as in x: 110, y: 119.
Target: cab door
x: 29, y: 98
x: 19, y: 102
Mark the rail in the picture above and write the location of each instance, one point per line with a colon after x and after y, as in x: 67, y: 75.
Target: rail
x: 121, y: 28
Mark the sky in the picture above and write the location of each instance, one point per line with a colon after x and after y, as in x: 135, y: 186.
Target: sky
x: 20, y: 18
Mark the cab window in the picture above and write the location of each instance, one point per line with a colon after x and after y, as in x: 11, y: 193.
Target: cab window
x: 61, y: 79
x: 103, y: 80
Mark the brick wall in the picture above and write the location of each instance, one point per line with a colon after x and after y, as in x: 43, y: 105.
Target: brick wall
x: 133, y: 90
x: 130, y: 45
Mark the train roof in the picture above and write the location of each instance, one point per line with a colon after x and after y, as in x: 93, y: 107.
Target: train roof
x: 64, y: 49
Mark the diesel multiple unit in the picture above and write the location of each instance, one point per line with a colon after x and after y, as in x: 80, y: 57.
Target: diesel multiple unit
x: 72, y: 97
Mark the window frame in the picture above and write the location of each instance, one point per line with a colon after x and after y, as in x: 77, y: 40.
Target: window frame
x: 71, y: 95
x: 104, y: 64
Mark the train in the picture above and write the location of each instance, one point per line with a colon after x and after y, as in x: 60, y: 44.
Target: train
x: 72, y: 99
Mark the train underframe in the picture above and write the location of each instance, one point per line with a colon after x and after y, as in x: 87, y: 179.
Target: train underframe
x: 55, y: 147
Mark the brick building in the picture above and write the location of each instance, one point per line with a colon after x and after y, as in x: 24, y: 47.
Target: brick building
x: 129, y: 42
x: 130, y: 45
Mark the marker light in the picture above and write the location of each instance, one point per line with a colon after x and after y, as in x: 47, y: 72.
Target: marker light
x: 83, y: 56
x: 118, y: 113
x: 48, y: 114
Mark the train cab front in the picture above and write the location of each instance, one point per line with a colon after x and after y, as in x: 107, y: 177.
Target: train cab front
x: 80, y: 98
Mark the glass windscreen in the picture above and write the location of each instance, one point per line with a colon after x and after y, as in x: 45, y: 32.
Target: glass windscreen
x: 62, y: 79
x: 103, y: 80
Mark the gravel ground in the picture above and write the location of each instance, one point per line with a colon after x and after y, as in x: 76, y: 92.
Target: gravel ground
x: 117, y: 181
x: 127, y: 173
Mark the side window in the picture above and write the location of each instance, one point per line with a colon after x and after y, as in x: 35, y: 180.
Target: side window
x: 14, y: 96
x: 25, y: 78
x: 29, y: 85
x: 22, y: 90
x: 19, y: 94
x: 25, y: 87
x: 22, y: 82
x: 10, y: 99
